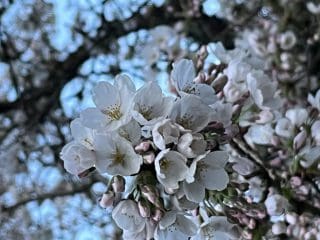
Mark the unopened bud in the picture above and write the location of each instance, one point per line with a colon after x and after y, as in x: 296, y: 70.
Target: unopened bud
x: 107, y: 199
x: 203, y: 52
x: 300, y: 139
x: 118, y: 184
x: 295, y: 181
x: 157, y: 215
x: 149, y: 193
x: 219, y: 83
x: 148, y: 158
x: 201, y: 78
x: 144, y: 209
x: 143, y: 146
x: 252, y: 224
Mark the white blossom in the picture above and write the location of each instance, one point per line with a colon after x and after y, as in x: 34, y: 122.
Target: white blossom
x: 191, y: 145
x: 165, y: 132
x: 297, y: 116
x: 149, y: 104
x: 224, y: 55
x: 222, y: 113
x: 217, y: 227
x: 206, y: 172
x: 191, y: 113
x: 77, y: 158
x: 127, y: 217
x: 260, y: 134
x: 183, y: 75
x: 233, y: 91
x: 263, y: 91
x: 82, y: 134
x: 114, y: 103
x: 276, y: 204
x: 171, y: 168
x: 309, y: 155
x: 237, y: 71
x: 174, y: 226
x: 147, y: 233
x: 284, y: 128
x: 115, y: 155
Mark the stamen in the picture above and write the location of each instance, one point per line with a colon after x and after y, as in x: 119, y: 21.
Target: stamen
x: 113, y: 112
x: 118, y: 158
x: 164, y: 164
x: 146, y: 111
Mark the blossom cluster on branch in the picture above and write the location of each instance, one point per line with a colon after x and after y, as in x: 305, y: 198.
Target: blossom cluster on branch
x: 211, y: 162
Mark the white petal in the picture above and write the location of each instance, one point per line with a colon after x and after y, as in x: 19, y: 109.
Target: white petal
x: 195, y: 191
x: 81, y: 133
x: 109, y: 148
x: 183, y: 73
x: 93, y: 118
x: 191, y: 113
x: 168, y: 219
x: 186, y: 226
x: 170, y: 168
x: 297, y: 116
x: 217, y: 159
x: 77, y: 158
x: 127, y: 217
x: 215, y: 179
x: 123, y: 81
x: 131, y: 131
x: 206, y: 93
x: 105, y: 95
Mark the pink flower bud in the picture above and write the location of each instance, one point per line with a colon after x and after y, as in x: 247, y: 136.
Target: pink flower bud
x: 148, y: 158
x: 149, y: 193
x: 107, y: 199
x: 144, y: 209
x: 157, y: 215
x: 118, y: 184
x: 143, y: 146
x: 200, y: 78
x: 295, y: 181
x: 252, y: 224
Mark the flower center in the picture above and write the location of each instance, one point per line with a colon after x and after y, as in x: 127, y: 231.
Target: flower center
x: 185, y: 121
x: 113, y: 113
x: 164, y: 164
x: 145, y: 111
x: 208, y: 231
x: 118, y: 158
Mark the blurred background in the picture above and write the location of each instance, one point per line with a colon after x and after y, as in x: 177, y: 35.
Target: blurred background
x: 52, y: 52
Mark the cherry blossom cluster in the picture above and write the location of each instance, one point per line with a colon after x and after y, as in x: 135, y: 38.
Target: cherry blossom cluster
x: 163, y: 142
x: 210, y: 162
